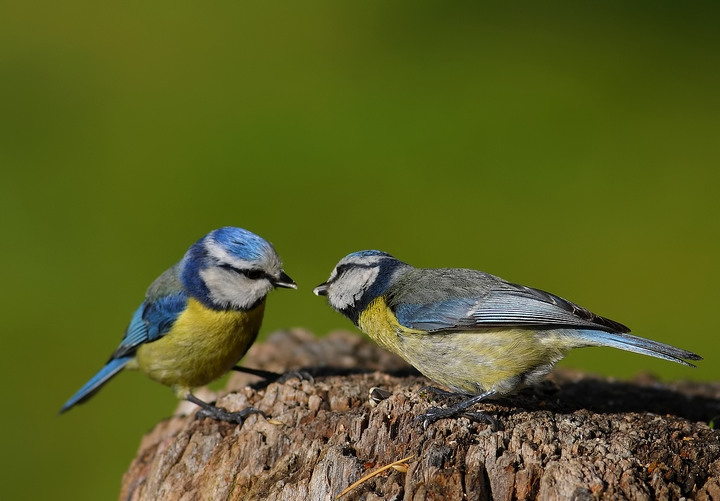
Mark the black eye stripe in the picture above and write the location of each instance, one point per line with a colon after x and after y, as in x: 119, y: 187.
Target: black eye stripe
x: 252, y: 274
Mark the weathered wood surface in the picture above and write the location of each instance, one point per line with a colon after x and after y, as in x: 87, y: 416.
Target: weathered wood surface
x: 573, y: 437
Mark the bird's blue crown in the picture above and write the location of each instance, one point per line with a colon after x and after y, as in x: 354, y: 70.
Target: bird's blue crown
x: 240, y: 243
x: 368, y: 253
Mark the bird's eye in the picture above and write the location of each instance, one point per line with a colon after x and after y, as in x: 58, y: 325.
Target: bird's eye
x: 254, y: 274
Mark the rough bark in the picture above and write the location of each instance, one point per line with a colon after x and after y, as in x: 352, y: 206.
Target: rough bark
x: 573, y: 437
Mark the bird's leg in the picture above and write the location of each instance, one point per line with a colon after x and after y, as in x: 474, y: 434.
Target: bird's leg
x: 434, y: 414
x: 274, y: 376
x: 439, y: 393
x: 257, y: 372
x: 214, y: 412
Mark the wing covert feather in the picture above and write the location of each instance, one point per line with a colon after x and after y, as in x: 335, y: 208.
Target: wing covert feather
x: 164, y: 302
x: 459, y: 299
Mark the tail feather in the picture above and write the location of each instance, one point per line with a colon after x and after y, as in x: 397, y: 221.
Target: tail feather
x: 636, y: 344
x: 98, y: 381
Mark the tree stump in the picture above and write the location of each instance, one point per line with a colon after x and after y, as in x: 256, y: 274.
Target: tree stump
x: 573, y: 437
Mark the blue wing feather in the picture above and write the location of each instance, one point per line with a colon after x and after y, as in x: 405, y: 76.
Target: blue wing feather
x: 444, y: 315
x: 504, y: 305
x: 135, y: 334
x: 161, y: 314
x: 151, y: 321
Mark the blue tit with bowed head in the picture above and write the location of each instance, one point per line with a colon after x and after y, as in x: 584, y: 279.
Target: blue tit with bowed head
x: 198, y: 318
x: 470, y: 331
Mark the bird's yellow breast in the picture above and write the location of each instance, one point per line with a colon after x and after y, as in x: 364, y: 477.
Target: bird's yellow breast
x: 380, y: 323
x: 202, y: 345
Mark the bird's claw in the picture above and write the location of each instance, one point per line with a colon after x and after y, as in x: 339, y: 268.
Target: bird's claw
x: 482, y: 417
x: 435, y: 414
x: 432, y: 415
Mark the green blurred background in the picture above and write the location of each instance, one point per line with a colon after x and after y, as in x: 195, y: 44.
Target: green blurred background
x: 568, y: 146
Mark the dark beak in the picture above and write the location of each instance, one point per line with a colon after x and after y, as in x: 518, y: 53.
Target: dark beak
x: 284, y: 281
x: 321, y: 290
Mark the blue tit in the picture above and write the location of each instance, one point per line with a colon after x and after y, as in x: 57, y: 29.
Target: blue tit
x: 470, y: 331
x: 199, y: 318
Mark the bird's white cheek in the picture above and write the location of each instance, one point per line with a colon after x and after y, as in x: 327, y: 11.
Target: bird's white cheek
x: 349, y: 289
x: 229, y: 288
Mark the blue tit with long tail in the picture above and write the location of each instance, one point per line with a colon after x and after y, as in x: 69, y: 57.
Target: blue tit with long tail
x: 470, y: 331
x: 198, y: 318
